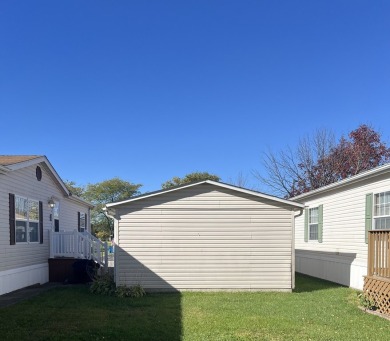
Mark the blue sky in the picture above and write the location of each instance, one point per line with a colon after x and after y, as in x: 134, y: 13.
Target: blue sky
x: 148, y: 90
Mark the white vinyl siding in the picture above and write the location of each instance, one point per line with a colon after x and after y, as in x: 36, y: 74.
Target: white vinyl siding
x: 23, y: 182
x: 205, y: 238
x: 342, y: 256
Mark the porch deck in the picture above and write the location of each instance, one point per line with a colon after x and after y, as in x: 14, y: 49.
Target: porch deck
x: 377, y: 281
x: 78, y: 245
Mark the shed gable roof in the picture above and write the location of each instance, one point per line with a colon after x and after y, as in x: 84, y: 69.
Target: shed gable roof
x: 215, y: 183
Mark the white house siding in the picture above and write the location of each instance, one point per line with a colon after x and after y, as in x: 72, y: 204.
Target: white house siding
x: 342, y: 256
x: 205, y: 238
x: 26, y: 264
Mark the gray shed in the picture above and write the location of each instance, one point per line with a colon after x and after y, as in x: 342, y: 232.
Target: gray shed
x: 205, y: 236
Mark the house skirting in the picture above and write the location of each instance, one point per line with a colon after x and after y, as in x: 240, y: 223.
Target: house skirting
x: 14, y: 279
x: 336, y: 268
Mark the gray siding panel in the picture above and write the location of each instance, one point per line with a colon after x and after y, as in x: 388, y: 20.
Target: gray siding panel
x: 23, y: 182
x: 203, y: 238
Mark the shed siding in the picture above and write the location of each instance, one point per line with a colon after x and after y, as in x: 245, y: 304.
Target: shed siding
x: 342, y: 256
x: 205, y: 237
x: 23, y: 182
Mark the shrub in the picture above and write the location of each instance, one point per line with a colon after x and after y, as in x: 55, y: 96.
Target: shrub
x: 133, y: 291
x: 367, y: 302
x: 103, y: 285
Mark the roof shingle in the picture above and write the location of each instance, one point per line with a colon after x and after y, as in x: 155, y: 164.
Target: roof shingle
x: 6, y: 160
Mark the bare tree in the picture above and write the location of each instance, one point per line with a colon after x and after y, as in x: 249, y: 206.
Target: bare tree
x: 318, y: 161
x: 240, y: 180
x: 291, y: 171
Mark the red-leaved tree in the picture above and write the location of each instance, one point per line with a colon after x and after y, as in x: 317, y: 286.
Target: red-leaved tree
x: 363, y: 151
x: 315, y: 165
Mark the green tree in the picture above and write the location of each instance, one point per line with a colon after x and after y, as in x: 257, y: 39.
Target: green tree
x: 191, y: 177
x: 100, y: 194
x: 74, y: 188
x: 104, y: 192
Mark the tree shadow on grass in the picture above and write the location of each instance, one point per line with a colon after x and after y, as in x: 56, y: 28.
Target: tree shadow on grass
x: 305, y: 283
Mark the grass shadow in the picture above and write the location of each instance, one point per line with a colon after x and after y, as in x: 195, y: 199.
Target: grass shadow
x: 305, y: 283
x: 161, y: 309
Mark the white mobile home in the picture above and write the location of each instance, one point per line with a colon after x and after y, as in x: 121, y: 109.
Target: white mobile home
x: 205, y: 236
x: 331, y: 236
x: 39, y: 219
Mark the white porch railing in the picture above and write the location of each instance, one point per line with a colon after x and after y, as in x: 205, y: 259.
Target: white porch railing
x: 81, y: 245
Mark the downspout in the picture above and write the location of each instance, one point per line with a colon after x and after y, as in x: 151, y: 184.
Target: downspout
x: 294, y: 216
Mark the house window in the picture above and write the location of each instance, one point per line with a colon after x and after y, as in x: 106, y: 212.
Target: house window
x: 56, y: 216
x: 82, y: 222
x: 382, y: 211
x: 313, y: 223
x: 26, y: 220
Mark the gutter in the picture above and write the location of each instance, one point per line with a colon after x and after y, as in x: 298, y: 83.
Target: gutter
x: 109, y: 212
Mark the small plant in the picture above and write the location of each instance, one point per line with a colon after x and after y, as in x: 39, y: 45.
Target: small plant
x: 137, y: 291
x: 103, y: 285
x: 367, y: 302
x: 133, y: 291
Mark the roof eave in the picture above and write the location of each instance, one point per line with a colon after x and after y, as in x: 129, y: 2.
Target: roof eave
x: 219, y: 184
x: 44, y: 160
x: 81, y: 201
x: 356, y: 178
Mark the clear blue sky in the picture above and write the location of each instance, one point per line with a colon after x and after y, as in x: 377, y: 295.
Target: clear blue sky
x: 146, y: 90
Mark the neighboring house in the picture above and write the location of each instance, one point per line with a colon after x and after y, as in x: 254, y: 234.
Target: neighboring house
x: 331, y: 236
x: 205, y: 236
x: 34, y: 205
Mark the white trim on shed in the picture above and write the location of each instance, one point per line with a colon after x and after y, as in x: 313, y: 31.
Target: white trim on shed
x: 215, y: 183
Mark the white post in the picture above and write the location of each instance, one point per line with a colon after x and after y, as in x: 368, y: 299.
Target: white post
x: 51, y: 241
x: 87, y: 248
x: 75, y: 243
x: 105, y: 256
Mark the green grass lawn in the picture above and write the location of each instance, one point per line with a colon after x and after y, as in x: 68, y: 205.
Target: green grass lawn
x: 317, y: 310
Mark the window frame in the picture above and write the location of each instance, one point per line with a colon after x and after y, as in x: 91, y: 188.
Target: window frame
x: 309, y: 223
x: 83, y: 229
x: 56, y: 211
x: 27, y: 220
x: 374, y: 216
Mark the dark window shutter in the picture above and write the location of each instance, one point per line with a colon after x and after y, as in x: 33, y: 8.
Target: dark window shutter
x: 12, y: 219
x: 78, y: 221
x: 320, y: 222
x: 306, y: 225
x: 368, y: 215
x: 40, y: 222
